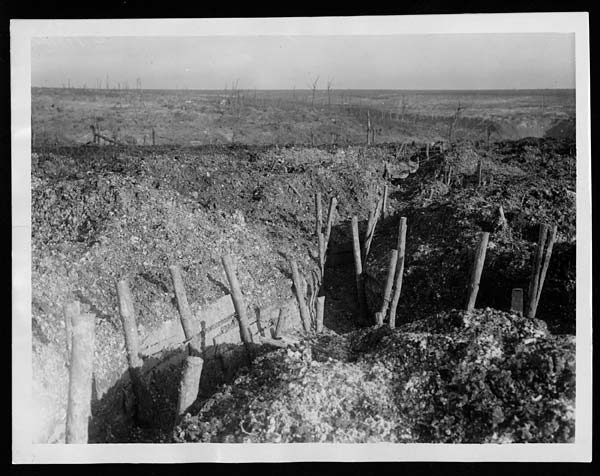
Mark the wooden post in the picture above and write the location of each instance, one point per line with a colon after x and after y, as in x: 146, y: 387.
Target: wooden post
x: 360, y: 284
x: 304, y: 315
x: 238, y: 301
x: 535, y: 274
x: 190, y: 382
x: 399, y: 271
x: 81, y: 369
x: 368, y: 128
x: 427, y: 151
x: 281, y: 318
x: 389, y: 283
x: 479, y: 172
x: 127, y: 311
x: 330, y: 218
x: 384, y: 204
x: 318, y: 213
x: 546, y: 262
x: 153, y: 137
x: 476, y: 270
x: 322, y: 254
x: 185, y: 313
x: 516, y: 301
x: 371, y: 224
x: 320, y: 313
x: 71, y: 312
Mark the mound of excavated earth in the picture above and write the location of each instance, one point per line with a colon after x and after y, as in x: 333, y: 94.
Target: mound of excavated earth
x: 456, y: 377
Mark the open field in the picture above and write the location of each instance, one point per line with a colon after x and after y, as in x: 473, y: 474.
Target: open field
x: 189, y: 117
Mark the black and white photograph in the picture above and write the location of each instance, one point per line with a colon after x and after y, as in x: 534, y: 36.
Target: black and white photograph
x: 371, y: 235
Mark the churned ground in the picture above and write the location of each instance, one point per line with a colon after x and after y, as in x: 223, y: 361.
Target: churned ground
x: 456, y: 377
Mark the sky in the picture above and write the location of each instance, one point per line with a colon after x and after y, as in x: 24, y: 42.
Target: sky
x: 442, y: 61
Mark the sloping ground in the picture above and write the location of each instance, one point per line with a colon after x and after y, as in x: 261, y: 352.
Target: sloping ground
x: 101, y: 215
x: 455, y: 377
x: 533, y: 180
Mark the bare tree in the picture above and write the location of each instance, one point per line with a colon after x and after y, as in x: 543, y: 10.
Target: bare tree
x: 314, y: 89
x: 404, y: 105
x: 329, y: 83
x: 454, y: 122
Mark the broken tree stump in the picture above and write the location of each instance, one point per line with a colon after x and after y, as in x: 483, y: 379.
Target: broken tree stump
x: 516, y: 301
x: 477, y: 269
x: 320, y: 313
x: 360, y: 283
x: 190, y: 382
x: 300, y: 296
x: 81, y: 370
x: 389, y: 283
x: 238, y: 301
x: 185, y: 313
x: 399, y: 271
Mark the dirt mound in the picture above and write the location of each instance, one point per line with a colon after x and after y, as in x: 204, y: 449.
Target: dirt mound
x: 458, y: 377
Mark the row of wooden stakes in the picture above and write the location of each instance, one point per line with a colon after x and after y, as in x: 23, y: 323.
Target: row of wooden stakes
x: 393, y: 284
x: 80, y: 329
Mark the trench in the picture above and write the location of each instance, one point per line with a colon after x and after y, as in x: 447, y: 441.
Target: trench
x: 113, y: 417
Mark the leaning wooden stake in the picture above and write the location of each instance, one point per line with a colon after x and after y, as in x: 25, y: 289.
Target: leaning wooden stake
x: 81, y: 370
x: 190, y: 382
x: 318, y: 213
x: 185, y: 313
x: 320, y: 313
x: 371, y: 225
x: 476, y: 270
x: 238, y: 301
x: 546, y: 262
x: 399, y: 271
x: 330, y: 218
x: 384, y: 203
x: 360, y: 284
x: 280, y: 324
x: 304, y: 314
x: 127, y: 311
x: 389, y: 283
x: 536, y: 271
x: 322, y: 254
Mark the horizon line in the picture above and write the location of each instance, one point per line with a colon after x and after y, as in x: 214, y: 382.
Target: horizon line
x: 305, y: 89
